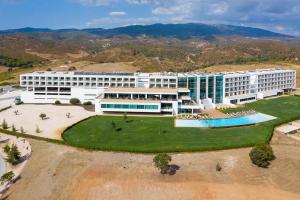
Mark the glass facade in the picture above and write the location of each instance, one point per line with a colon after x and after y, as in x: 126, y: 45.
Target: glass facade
x: 192, y: 85
x: 202, y: 87
x: 219, y: 89
x: 182, y: 82
x: 211, y: 87
x: 130, y: 106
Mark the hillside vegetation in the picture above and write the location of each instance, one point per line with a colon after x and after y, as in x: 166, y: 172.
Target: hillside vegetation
x: 144, y: 49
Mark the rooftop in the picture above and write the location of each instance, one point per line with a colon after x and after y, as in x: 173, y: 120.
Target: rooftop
x: 154, y: 74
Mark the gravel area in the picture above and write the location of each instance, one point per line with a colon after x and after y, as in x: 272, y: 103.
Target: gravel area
x: 51, y: 127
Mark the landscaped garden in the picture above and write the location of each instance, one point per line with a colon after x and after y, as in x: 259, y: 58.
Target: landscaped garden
x: 158, y: 134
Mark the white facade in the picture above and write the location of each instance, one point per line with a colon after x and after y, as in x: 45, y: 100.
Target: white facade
x: 187, y: 92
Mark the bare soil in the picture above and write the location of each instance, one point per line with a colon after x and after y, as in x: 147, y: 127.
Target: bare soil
x: 61, y: 172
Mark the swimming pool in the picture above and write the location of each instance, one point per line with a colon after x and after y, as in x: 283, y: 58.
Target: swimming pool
x: 225, y: 122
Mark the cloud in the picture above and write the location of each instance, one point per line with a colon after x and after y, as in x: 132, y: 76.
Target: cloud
x: 96, y: 2
x: 117, y: 13
x: 274, y: 15
x: 110, y: 22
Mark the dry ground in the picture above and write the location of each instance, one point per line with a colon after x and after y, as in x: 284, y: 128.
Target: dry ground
x: 56, y: 172
x: 98, y: 67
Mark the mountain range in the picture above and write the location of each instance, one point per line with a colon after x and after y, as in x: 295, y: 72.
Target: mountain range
x: 179, y: 31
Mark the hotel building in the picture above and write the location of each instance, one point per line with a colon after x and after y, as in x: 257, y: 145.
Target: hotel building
x: 156, y: 92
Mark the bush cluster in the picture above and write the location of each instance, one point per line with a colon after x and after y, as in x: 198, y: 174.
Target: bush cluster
x: 87, y: 103
x: 74, y: 101
x: 262, y: 155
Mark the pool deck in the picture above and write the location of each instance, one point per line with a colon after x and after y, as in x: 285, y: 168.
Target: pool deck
x: 215, y: 114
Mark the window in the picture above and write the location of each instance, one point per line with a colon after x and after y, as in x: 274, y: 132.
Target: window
x: 129, y: 106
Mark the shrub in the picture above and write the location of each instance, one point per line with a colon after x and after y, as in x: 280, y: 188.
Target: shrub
x: 43, y: 116
x: 19, y: 102
x: 262, y: 155
x: 218, y: 167
x: 7, y: 177
x: 87, y: 103
x: 161, y: 161
x: 74, y: 101
x: 4, y: 124
x: 57, y: 102
x: 72, y: 68
x: 48, y: 69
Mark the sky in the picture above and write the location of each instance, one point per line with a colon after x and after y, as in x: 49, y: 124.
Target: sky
x: 281, y: 16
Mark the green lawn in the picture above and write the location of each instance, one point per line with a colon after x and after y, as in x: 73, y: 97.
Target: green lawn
x: 157, y: 134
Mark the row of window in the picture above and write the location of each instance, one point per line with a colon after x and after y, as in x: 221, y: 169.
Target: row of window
x: 76, y: 78
x: 130, y: 106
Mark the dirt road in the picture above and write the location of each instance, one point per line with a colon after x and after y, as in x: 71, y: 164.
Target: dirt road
x: 61, y: 172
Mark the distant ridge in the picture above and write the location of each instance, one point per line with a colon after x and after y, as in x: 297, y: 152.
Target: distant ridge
x: 180, y: 31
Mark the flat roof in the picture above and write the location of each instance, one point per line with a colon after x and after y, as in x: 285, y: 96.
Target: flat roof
x: 142, y: 90
x: 129, y: 101
x: 158, y: 74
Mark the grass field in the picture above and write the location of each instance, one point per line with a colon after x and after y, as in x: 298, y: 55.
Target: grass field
x: 157, y: 134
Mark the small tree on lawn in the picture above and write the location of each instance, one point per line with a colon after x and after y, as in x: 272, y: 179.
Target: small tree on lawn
x: 262, y: 155
x: 125, y: 116
x: 161, y: 161
x: 4, y: 124
x: 7, y: 177
x: 113, y: 125
x: 14, y: 155
x: 43, y: 116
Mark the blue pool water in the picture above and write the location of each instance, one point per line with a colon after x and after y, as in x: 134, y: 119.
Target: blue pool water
x: 225, y: 122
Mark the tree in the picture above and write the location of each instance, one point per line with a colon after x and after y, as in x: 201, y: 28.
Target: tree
x: 7, y: 177
x: 22, y: 130
x: 161, y: 161
x: 113, y: 124
x: 57, y: 102
x: 6, y: 148
x: 13, y: 128
x: 43, y: 116
x: 14, y: 155
x: 125, y: 116
x: 262, y: 155
x: 74, y: 101
x: 4, y: 124
x: 38, y: 130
